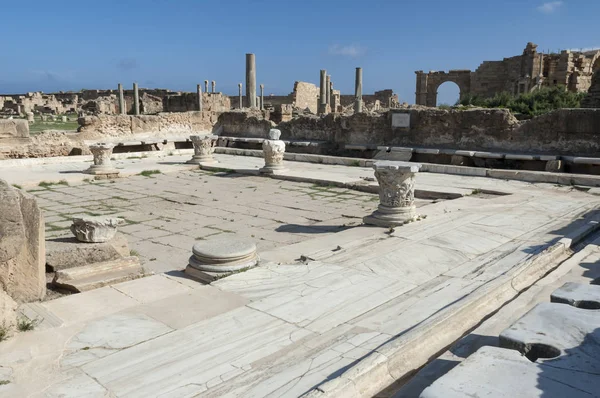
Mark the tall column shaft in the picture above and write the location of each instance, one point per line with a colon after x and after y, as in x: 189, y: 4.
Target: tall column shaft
x: 358, y: 91
x: 251, y: 80
x: 241, y: 105
x: 136, y: 99
x: 262, y: 97
x: 206, y: 86
x: 214, y: 86
x: 328, y: 89
x: 322, y: 91
x: 199, y: 96
x: 122, y: 109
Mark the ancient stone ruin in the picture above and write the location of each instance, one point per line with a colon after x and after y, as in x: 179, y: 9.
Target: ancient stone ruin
x: 519, y: 74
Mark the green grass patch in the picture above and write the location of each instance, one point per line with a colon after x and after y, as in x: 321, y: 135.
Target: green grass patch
x: 148, y: 173
x: 38, y: 126
x: 134, y: 253
x: 47, y: 184
x: 17, y: 186
x: 4, y: 382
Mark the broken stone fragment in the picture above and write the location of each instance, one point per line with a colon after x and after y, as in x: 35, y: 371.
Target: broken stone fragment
x: 95, y: 229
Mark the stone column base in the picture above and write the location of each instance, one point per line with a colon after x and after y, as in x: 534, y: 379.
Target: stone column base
x: 202, y: 159
x: 101, y: 172
x: 391, y: 217
x: 272, y: 169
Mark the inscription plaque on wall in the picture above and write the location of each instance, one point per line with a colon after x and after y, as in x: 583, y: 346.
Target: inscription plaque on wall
x: 400, y: 119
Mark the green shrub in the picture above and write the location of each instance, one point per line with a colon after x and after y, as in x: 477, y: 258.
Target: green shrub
x: 537, y: 102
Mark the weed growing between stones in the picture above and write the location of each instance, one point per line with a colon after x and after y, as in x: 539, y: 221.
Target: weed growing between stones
x: 3, y: 331
x: 148, y: 173
x: 25, y: 324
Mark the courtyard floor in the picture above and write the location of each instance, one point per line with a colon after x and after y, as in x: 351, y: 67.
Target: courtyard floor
x: 288, y: 325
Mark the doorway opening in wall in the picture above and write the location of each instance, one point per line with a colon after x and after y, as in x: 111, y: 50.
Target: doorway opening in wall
x: 448, y: 94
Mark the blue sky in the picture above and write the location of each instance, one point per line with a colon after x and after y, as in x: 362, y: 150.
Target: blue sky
x: 70, y: 45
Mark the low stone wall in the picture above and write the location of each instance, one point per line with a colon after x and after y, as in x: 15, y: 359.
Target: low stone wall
x: 94, y: 127
x: 564, y: 131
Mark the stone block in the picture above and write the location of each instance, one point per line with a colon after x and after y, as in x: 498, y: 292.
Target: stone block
x: 14, y: 129
x: 22, y: 245
x: 578, y: 295
x: 93, y: 276
x: 558, y: 335
x: 501, y: 373
x: 62, y: 253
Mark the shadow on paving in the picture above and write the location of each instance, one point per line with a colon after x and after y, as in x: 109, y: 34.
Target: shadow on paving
x: 310, y: 229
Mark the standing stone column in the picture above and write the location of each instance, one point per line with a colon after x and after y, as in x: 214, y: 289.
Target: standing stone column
x: 122, y: 109
x: 262, y: 97
x: 204, y: 147
x: 240, y: 95
x: 328, y: 90
x: 30, y: 118
x: 206, y: 86
x: 273, y: 151
x: 136, y: 99
x: 199, y: 96
x: 251, y: 80
x: 358, y: 91
x: 396, y: 194
x: 322, y: 92
x: 214, y: 85
x: 102, y: 167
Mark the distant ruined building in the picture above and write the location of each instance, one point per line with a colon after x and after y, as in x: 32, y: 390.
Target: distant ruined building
x: 516, y: 75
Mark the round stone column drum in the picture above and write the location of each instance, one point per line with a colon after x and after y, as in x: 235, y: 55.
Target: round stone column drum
x: 212, y: 259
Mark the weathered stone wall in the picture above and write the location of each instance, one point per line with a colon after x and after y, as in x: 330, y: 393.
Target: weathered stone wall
x: 163, y: 124
x: 305, y: 95
x: 186, y: 102
x: 247, y: 123
x: 592, y: 100
x: 565, y: 131
x: 516, y: 75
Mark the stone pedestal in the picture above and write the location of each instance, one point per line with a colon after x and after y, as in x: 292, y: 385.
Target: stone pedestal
x: 396, y: 194
x: 273, y: 151
x: 214, y: 259
x: 102, y: 167
x: 204, y: 147
x: 95, y: 229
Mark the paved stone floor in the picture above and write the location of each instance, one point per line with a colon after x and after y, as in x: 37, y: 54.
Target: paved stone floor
x: 284, y: 327
x: 167, y: 213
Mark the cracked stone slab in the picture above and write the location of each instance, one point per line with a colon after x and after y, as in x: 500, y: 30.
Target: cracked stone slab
x: 187, y: 359
x: 501, y: 373
x: 110, y: 334
x: 556, y: 335
x: 578, y: 295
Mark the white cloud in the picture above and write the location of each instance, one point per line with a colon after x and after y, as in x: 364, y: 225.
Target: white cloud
x: 351, y: 50
x: 550, y: 7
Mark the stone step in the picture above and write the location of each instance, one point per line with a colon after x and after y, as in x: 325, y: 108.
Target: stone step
x: 97, y: 275
x: 578, y: 295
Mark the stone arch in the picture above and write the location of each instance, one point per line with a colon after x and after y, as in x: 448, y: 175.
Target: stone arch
x: 428, y: 83
x: 445, y: 87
